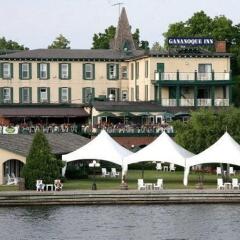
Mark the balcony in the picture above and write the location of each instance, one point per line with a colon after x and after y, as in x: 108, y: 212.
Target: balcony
x: 169, y: 102
x: 204, y: 102
x: 192, y: 76
x: 221, y: 102
x: 186, y: 102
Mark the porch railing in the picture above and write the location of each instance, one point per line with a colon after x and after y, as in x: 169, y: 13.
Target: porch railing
x: 169, y: 102
x: 186, y: 102
x: 221, y: 102
x: 204, y: 102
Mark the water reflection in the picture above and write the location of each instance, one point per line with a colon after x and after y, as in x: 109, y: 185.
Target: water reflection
x: 121, y: 222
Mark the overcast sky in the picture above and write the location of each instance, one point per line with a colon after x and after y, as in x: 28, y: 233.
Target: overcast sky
x: 36, y: 23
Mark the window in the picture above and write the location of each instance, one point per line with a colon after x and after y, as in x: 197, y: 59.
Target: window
x: 146, y: 69
x: 43, y: 95
x: 88, y: 71
x: 25, y: 95
x: 88, y: 95
x: 113, y: 94
x: 124, y: 95
x: 25, y: 71
x: 124, y: 72
x: 112, y: 71
x: 6, y: 70
x: 64, y: 95
x: 204, y: 71
x: 43, y: 68
x: 64, y: 71
x: 6, y: 95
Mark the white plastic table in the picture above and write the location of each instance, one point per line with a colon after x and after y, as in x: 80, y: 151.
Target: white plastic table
x: 49, y: 186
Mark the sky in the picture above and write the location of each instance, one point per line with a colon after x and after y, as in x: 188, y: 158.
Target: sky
x: 35, y: 24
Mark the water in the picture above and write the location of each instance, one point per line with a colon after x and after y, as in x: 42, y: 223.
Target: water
x: 121, y: 222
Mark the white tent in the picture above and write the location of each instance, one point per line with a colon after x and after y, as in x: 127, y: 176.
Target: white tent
x: 162, y: 149
x: 102, y: 147
x: 225, y: 150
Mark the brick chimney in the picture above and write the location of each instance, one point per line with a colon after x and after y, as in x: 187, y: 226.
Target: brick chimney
x: 220, y: 46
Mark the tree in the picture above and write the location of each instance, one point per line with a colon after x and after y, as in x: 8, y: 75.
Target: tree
x: 40, y: 163
x: 103, y: 40
x: 60, y: 42
x: 205, y: 127
x: 156, y: 46
x: 10, y: 45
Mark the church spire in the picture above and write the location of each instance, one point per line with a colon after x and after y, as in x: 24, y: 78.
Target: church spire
x: 123, y: 39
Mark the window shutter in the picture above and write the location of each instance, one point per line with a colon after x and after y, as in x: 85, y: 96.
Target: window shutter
x: 83, y: 95
x: 1, y: 95
x: 60, y: 95
x: 30, y: 95
x: 117, y: 71
x: 1, y: 70
x: 83, y: 72
x: 20, y: 70
x: 11, y: 69
x: 69, y: 95
x: 59, y: 71
x: 11, y: 90
x: 38, y: 70
x: 118, y: 94
x: 48, y: 70
x: 69, y: 71
x: 20, y: 95
x: 48, y: 94
x: 93, y: 94
x: 93, y: 71
x: 38, y: 94
x: 108, y: 66
x: 30, y: 70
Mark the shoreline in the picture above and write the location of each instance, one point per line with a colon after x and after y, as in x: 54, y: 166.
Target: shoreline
x: 118, y: 197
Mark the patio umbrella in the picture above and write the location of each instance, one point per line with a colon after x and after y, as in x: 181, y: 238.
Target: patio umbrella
x: 125, y: 115
x: 106, y: 114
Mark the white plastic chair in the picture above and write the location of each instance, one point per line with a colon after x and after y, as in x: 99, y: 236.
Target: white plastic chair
x: 220, y: 183
x: 114, y: 172
x: 218, y: 171
x: 235, y: 183
x: 11, y: 180
x: 172, y: 168
x: 231, y: 171
x: 40, y: 185
x: 141, y: 185
x: 159, y: 184
x: 105, y: 173
x: 159, y: 167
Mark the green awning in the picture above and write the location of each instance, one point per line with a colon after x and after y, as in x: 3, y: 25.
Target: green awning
x: 106, y: 114
x: 126, y: 114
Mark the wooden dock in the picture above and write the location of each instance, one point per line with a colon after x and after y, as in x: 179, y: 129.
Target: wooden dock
x: 105, y: 197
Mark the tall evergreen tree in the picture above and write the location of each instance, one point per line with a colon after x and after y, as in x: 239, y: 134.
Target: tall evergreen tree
x: 40, y: 163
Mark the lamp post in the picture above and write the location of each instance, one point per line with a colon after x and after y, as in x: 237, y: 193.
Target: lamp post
x: 94, y: 164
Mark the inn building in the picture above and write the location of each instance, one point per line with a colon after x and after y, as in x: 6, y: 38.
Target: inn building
x: 175, y: 77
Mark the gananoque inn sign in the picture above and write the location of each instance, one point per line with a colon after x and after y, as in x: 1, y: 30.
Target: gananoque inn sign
x: 190, y: 41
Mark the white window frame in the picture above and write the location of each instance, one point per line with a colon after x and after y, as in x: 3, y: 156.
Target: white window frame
x: 88, y: 70
x: 124, y: 72
x: 6, y: 70
x: 112, y: 71
x: 124, y: 95
x: 6, y: 95
x: 28, y: 95
x: 25, y: 69
x: 64, y: 96
x: 43, y: 70
x: 43, y: 99
x: 64, y: 72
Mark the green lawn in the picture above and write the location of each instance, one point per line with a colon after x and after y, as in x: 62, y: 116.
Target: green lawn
x: 171, y: 181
